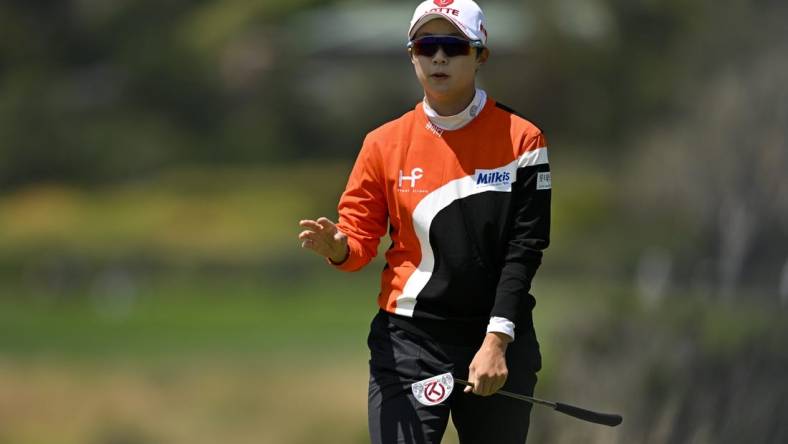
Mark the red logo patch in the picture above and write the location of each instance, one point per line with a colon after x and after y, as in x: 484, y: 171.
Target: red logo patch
x: 443, y: 3
x: 435, y: 391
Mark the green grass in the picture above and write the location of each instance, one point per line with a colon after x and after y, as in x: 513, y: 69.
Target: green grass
x: 193, y: 316
x: 229, y: 215
x: 320, y: 311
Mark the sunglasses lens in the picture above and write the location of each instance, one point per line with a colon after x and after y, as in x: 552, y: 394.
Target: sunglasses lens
x: 452, y: 46
x: 456, y: 48
x: 427, y: 49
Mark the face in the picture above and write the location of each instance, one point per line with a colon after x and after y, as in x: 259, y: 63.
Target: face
x: 443, y: 76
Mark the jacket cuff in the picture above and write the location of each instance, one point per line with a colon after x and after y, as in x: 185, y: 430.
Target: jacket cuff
x: 338, y: 264
x: 501, y: 325
x: 353, y: 261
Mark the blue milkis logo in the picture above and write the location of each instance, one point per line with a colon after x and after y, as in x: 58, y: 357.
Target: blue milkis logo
x: 492, y: 177
x: 497, y: 178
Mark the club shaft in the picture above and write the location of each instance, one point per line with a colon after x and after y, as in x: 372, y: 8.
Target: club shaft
x: 607, y: 419
x: 530, y: 399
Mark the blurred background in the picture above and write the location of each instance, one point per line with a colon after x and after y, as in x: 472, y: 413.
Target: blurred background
x: 156, y: 156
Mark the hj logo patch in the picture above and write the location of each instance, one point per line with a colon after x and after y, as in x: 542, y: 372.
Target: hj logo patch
x: 415, y: 174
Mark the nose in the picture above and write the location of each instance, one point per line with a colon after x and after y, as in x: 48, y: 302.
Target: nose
x: 440, y: 57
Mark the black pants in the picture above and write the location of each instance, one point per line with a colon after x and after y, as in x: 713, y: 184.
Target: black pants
x: 399, y: 358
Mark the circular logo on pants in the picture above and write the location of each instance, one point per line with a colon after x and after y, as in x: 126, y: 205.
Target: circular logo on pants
x: 435, y: 392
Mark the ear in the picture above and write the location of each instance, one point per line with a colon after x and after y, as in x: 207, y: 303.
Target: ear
x: 483, y: 56
x: 411, y: 56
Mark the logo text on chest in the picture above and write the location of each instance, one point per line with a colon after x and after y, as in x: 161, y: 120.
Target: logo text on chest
x: 493, y: 178
x: 415, y: 174
x: 434, y: 129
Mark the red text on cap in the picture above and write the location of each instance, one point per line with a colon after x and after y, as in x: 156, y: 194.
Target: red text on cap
x: 446, y: 11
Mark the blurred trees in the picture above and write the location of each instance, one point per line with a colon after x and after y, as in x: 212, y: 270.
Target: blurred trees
x: 103, y: 91
x: 714, y: 171
x: 107, y: 90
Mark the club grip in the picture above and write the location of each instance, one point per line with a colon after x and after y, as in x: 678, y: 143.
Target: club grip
x: 587, y: 415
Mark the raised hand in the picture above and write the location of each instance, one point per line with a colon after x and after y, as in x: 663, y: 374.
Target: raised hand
x: 323, y: 237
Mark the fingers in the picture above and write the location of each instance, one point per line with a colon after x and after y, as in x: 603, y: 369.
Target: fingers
x: 322, y: 223
x: 480, y: 384
x: 308, y: 238
x: 495, y: 385
x: 310, y: 224
x: 321, y: 226
x: 307, y: 241
x: 314, y: 231
x: 481, y: 387
x: 321, y: 236
x: 488, y: 385
x: 472, y: 380
x: 326, y: 223
x: 483, y: 384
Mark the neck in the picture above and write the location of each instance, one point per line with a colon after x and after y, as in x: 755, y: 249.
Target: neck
x: 450, y: 105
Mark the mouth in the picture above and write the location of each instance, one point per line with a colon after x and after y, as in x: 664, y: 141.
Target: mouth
x: 439, y: 76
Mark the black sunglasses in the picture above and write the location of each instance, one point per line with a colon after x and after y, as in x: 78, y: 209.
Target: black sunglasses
x: 452, y: 46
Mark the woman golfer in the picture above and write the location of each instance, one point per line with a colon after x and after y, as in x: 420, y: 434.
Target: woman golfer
x: 462, y: 185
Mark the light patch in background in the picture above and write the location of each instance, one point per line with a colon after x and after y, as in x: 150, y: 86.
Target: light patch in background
x: 375, y: 27
x: 653, y: 276
x: 114, y: 294
x: 584, y: 19
x: 784, y: 285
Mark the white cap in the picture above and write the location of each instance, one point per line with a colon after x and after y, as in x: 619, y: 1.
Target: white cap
x: 466, y: 15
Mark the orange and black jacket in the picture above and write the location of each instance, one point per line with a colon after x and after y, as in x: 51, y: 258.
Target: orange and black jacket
x: 468, y: 212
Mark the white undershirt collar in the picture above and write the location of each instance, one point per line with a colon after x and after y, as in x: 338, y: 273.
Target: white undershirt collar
x: 457, y: 121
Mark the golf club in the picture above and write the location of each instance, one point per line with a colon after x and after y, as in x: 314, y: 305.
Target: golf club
x: 434, y: 390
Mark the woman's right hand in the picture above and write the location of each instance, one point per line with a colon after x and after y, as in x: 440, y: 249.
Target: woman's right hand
x: 323, y: 237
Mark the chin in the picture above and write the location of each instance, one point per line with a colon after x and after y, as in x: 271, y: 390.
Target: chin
x: 442, y: 88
